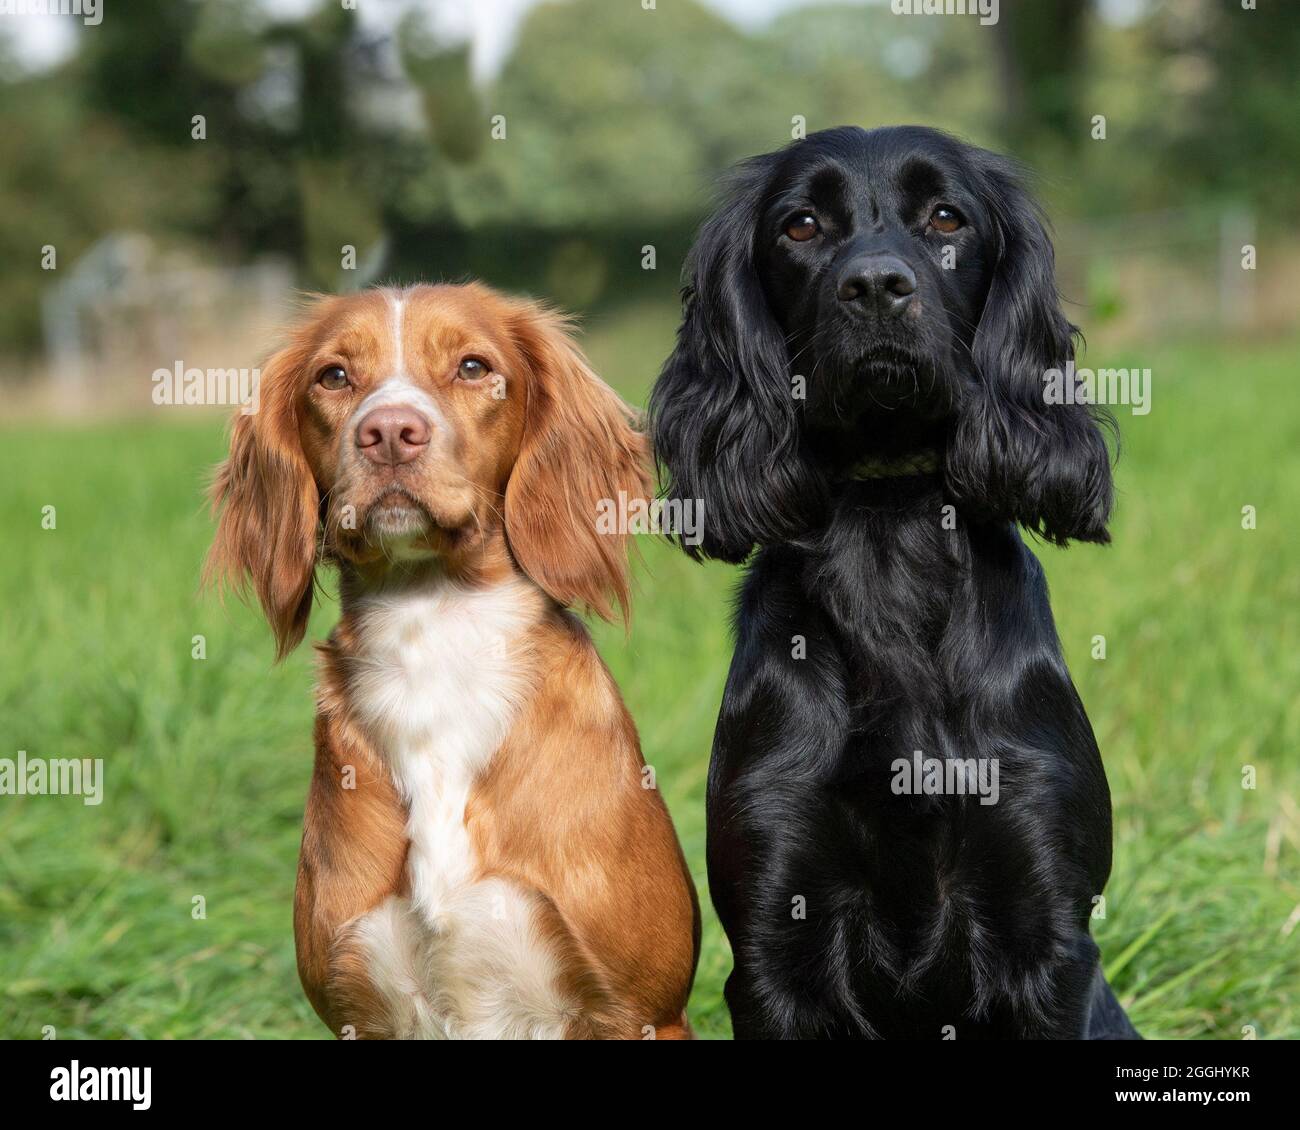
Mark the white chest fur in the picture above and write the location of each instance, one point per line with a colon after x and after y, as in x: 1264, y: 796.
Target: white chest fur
x: 436, y: 680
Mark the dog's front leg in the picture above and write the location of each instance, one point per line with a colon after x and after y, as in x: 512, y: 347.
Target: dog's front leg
x: 353, y: 854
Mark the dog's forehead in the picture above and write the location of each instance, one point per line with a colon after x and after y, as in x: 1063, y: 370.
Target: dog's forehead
x: 353, y: 325
x: 450, y: 316
x: 899, y: 159
x: 410, y: 334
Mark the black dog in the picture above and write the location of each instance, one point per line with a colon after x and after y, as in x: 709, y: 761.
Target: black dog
x: 892, y: 606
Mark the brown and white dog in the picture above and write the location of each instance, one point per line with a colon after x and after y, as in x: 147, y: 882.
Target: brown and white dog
x: 480, y: 856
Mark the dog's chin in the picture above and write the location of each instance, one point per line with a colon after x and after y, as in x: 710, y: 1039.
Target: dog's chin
x: 881, y: 377
x: 398, y: 517
x: 395, y: 527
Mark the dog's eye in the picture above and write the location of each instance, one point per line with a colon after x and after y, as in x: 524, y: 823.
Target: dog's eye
x: 333, y: 378
x: 472, y: 368
x: 802, y: 228
x: 945, y: 219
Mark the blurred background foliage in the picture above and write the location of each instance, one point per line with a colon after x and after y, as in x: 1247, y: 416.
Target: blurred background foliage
x: 543, y: 145
x: 324, y: 128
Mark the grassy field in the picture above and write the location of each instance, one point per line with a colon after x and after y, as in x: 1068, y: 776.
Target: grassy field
x: 207, y: 760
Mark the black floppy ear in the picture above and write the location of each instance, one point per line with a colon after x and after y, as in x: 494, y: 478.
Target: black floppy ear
x: 723, y: 417
x: 1016, y: 453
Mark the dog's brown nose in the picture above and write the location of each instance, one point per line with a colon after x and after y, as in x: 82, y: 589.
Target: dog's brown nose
x: 392, y: 435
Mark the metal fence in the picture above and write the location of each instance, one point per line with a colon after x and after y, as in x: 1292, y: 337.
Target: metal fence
x: 1180, y: 270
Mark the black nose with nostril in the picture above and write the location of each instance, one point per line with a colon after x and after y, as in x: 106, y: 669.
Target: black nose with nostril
x: 392, y: 435
x: 881, y: 284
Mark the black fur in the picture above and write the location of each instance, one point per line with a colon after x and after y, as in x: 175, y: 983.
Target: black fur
x: 889, y: 613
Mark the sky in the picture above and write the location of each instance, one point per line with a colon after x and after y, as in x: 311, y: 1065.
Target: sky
x: 490, y: 25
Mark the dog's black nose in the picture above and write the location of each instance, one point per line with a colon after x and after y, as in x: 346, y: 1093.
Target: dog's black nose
x: 881, y: 284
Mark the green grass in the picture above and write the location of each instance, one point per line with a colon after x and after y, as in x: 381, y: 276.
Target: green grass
x: 207, y: 760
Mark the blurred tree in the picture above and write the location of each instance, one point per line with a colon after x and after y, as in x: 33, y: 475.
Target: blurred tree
x: 451, y: 105
x: 1042, y: 57
x: 137, y: 68
x: 159, y: 63
x: 278, y: 97
x: 618, y: 114
x: 866, y: 67
x: 617, y: 111
x: 1238, y: 70
x: 322, y: 132
x: 70, y: 175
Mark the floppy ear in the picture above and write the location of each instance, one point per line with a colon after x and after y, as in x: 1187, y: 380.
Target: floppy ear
x: 580, y: 449
x: 269, y: 507
x: 1013, y: 455
x: 723, y: 418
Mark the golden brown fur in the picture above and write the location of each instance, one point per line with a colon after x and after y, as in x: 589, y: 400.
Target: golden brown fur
x: 567, y: 809
x: 561, y: 809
